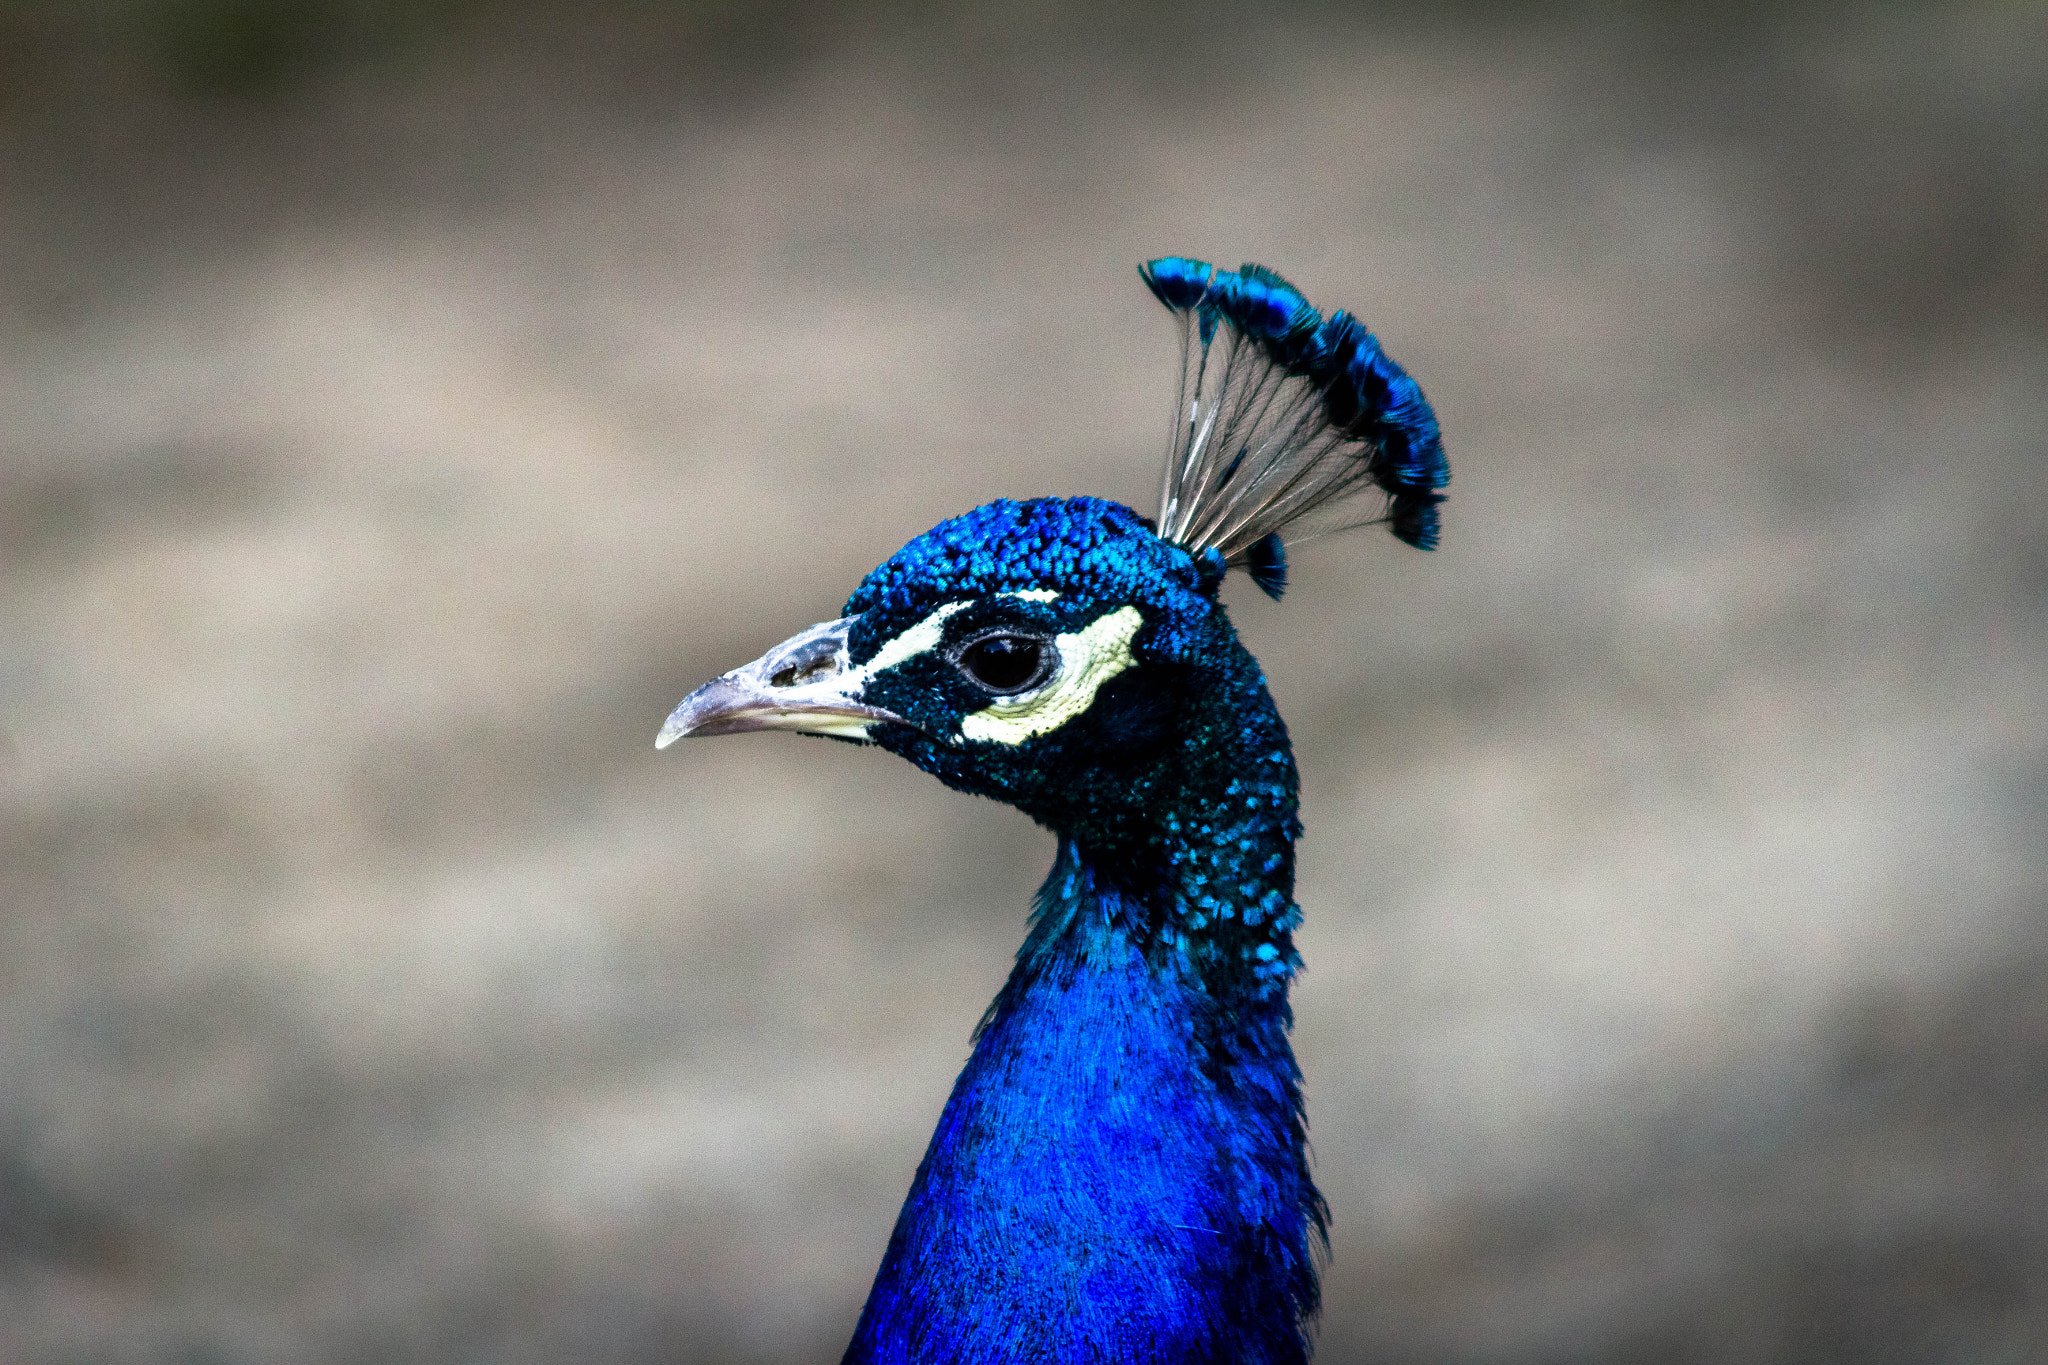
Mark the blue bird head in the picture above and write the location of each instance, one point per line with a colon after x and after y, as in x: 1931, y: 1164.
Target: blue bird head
x: 1070, y: 657
x: 1056, y: 655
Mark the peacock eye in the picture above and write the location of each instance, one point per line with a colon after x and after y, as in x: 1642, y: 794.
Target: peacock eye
x: 1006, y: 664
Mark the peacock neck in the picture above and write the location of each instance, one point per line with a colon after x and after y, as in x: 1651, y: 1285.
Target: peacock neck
x: 1120, y: 1172
x: 1200, y: 849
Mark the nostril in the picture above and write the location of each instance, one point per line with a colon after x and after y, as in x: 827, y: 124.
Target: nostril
x: 803, y: 671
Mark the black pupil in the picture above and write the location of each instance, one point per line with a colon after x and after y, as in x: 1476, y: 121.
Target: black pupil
x: 1002, y: 663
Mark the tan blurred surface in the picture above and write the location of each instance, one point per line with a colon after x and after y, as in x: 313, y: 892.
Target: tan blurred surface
x: 382, y: 454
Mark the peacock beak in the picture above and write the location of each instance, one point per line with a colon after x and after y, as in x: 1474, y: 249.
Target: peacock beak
x: 806, y: 683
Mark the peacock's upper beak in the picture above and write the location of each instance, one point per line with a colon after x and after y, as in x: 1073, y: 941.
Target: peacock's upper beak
x: 805, y: 683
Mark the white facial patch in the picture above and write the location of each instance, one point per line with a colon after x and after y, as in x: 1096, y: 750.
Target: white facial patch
x: 926, y: 634
x: 919, y: 639
x: 1088, y: 658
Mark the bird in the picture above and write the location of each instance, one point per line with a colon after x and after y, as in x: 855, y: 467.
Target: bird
x: 1121, y: 1171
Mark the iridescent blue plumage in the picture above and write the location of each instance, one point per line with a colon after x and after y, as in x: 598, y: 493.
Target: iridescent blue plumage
x: 1273, y: 312
x: 1370, y: 397
x: 1178, y: 282
x: 1266, y: 562
x: 1120, y: 1173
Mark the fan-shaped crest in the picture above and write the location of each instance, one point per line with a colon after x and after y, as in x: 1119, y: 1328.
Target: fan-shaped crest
x: 1282, y: 415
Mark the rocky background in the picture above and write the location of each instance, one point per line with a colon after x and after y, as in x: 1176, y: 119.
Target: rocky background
x: 402, y: 406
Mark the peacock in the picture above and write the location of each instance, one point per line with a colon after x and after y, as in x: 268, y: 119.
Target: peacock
x: 1121, y: 1170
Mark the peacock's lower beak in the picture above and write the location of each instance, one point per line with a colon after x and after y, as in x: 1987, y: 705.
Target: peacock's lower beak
x: 806, y: 683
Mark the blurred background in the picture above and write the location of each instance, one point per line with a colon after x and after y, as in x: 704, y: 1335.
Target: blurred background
x: 402, y: 405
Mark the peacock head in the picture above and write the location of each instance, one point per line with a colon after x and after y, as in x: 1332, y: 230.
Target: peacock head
x: 1054, y: 654
x: 1070, y: 657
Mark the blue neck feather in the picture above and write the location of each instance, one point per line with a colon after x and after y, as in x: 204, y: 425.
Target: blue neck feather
x: 1120, y: 1173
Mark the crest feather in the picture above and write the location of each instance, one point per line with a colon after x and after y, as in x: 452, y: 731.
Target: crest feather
x: 1282, y: 416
